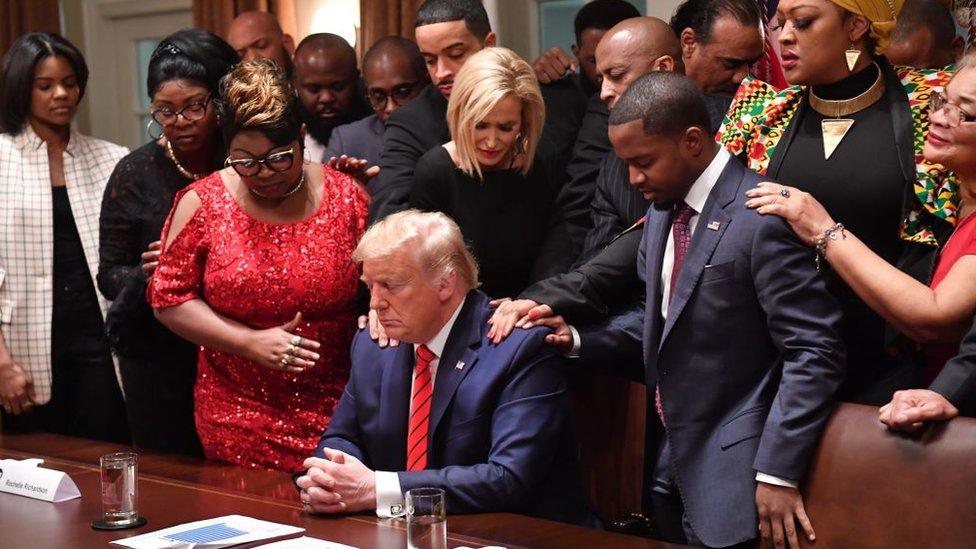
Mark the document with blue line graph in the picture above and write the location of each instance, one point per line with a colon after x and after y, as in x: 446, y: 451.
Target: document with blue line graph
x: 215, y: 533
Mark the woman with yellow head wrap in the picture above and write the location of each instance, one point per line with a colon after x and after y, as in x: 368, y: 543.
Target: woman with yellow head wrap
x: 846, y: 139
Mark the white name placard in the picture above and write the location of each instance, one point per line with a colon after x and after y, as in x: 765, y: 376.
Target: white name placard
x: 26, y: 478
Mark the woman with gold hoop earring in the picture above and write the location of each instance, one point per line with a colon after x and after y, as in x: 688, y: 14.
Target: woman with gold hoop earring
x: 257, y: 269
x: 496, y: 178
x: 157, y: 367
x: 850, y: 132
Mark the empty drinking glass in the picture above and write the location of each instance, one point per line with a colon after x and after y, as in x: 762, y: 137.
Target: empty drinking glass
x: 426, y: 519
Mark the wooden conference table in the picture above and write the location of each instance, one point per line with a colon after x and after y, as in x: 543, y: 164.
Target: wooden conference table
x: 175, y: 490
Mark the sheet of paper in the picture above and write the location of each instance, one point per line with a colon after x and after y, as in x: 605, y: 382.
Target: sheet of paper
x: 213, y: 533
x: 26, y: 477
x: 305, y: 542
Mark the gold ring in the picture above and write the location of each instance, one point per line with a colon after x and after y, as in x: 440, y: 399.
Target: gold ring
x: 285, y: 360
x: 290, y: 350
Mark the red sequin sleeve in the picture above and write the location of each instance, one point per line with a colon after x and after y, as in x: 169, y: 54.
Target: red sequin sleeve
x: 179, y: 275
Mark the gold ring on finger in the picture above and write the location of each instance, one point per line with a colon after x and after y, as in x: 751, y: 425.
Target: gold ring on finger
x: 285, y: 360
x: 290, y: 350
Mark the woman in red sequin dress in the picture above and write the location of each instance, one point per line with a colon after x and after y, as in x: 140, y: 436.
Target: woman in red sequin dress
x: 257, y: 269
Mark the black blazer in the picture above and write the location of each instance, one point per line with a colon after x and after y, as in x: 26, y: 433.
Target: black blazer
x: 957, y: 380
x: 411, y: 131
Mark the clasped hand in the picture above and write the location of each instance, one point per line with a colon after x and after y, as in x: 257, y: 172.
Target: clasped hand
x: 340, y: 483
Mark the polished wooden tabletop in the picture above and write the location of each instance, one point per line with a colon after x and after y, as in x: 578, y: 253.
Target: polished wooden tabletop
x: 175, y: 490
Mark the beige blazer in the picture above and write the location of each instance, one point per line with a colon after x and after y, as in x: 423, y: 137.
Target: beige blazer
x: 27, y: 238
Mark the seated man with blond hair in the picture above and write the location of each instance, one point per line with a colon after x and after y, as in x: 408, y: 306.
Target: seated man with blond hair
x: 488, y: 424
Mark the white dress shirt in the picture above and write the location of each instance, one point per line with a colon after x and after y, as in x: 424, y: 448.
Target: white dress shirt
x: 389, y: 497
x: 314, y: 151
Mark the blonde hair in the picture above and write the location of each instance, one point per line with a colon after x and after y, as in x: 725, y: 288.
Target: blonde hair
x: 486, y: 78
x: 257, y: 95
x: 434, y: 238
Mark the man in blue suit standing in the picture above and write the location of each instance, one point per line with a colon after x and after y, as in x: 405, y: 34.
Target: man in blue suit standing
x: 741, y: 351
x: 741, y: 347
x: 487, y: 423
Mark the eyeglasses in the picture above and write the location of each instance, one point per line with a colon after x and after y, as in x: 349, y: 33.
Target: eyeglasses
x: 400, y: 94
x: 191, y: 112
x: 276, y: 162
x: 954, y: 115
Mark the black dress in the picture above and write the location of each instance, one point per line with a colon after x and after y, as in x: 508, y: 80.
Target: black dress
x: 862, y: 185
x: 85, y: 397
x: 505, y: 219
x: 158, y: 367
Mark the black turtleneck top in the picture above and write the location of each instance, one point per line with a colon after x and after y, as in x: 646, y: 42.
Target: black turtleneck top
x: 861, y: 186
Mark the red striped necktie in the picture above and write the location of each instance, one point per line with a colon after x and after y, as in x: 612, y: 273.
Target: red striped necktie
x: 420, y: 410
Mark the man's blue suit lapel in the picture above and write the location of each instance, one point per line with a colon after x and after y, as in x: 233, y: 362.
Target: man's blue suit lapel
x: 704, y: 241
x: 395, y: 404
x: 458, y: 359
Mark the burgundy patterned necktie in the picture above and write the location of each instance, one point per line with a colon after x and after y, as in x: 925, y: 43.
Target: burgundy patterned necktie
x: 420, y: 411
x: 681, y: 232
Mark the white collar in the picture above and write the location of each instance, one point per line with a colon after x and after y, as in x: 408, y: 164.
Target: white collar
x: 439, y: 341
x: 699, y: 191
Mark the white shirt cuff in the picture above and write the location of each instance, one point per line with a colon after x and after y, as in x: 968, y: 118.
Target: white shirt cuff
x: 768, y: 479
x: 389, y: 498
x: 575, y: 351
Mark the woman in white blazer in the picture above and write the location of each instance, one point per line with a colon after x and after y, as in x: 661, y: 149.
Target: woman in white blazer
x: 56, y: 370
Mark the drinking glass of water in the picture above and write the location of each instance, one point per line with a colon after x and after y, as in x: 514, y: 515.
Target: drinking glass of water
x: 426, y: 519
x: 120, y: 495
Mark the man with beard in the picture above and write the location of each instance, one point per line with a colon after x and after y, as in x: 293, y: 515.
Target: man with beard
x: 448, y: 32
x: 327, y: 81
x: 257, y: 34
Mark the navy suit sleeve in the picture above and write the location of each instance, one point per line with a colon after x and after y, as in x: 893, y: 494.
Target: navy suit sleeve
x: 527, y: 424
x: 957, y: 380
x: 335, y: 147
x: 401, y: 150
x: 343, y: 432
x: 803, y: 320
x: 615, y: 343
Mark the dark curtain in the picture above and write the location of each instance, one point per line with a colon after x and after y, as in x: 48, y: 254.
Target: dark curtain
x: 20, y: 16
x: 216, y: 15
x: 379, y: 18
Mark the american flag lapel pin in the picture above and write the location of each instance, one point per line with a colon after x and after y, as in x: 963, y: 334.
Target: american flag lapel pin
x: 459, y: 366
x: 714, y: 225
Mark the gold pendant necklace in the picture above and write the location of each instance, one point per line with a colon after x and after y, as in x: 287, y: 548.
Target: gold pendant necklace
x: 179, y: 167
x: 834, y: 129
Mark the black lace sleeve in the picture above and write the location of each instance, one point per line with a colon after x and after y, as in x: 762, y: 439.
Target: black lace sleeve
x: 118, y: 249
x: 137, y: 198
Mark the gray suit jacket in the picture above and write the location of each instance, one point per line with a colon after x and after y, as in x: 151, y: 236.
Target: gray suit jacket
x: 359, y: 139
x: 747, y: 361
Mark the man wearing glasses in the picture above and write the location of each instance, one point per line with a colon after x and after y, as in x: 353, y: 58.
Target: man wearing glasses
x: 395, y: 73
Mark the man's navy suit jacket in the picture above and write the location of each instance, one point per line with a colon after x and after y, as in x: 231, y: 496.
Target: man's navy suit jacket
x: 747, y: 360
x: 499, y: 435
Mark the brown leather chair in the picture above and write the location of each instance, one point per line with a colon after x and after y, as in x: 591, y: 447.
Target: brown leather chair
x: 871, y: 487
